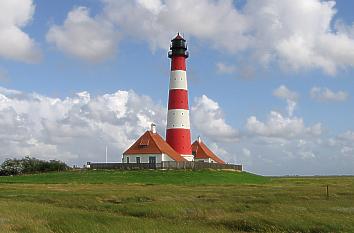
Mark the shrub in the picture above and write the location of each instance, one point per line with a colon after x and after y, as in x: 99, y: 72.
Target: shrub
x: 29, y: 165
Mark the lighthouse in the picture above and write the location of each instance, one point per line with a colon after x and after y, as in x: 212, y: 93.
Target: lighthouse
x: 178, y: 134
x: 151, y: 148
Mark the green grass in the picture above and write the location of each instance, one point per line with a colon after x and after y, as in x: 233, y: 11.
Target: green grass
x: 143, y: 176
x: 149, y: 201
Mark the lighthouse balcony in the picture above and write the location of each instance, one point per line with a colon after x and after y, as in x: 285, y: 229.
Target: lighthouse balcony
x: 178, y: 52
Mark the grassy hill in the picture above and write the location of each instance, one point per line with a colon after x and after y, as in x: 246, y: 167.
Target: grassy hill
x: 174, y: 201
x: 141, y: 176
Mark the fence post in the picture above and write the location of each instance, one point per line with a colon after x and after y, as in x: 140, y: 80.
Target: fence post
x: 327, y: 192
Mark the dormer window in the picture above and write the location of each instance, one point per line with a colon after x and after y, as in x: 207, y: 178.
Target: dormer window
x: 144, y: 143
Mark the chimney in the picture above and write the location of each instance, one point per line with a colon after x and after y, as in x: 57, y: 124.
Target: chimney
x: 153, y: 128
x: 199, y: 139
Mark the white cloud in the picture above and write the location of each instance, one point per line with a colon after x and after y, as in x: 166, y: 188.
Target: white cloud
x: 246, y: 152
x: 295, y: 34
x: 291, y: 97
x: 156, y: 21
x: 207, y: 117
x: 75, y: 129
x: 298, y: 34
x: 345, y: 29
x: 283, y: 92
x: 326, y: 95
x: 307, y: 155
x: 223, y: 68
x: 344, y: 142
x: 348, y: 136
x: 91, y: 39
x: 15, y: 44
x: 282, y: 127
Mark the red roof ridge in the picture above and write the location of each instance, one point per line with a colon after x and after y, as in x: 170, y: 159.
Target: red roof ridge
x: 167, y: 149
x: 207, y: 152
x: 156, y: 145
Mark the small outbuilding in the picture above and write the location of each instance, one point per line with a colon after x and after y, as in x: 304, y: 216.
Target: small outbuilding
x: 202, y: 153
x: 151, y: 148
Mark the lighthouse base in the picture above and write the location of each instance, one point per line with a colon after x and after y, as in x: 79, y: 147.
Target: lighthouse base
x: 188, y: 157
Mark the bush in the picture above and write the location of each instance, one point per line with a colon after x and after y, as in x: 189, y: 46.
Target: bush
x: 29, y: 165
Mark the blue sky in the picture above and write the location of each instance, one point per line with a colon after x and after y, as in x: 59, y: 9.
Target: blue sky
x: 241, y: 54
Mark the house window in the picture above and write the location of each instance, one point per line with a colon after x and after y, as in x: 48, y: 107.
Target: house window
x: 137, y: 159
x: 127, y: 159
x: 152, y: 159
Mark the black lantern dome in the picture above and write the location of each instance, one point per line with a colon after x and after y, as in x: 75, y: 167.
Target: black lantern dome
x: 178, y: 47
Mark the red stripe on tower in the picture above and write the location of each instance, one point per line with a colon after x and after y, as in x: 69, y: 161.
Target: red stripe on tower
x: 178, y: 134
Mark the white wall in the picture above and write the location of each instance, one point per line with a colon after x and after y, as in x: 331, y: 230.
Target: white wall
x: 144, y: 158
x: 208, y: 160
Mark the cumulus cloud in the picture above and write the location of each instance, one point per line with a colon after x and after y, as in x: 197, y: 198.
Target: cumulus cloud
x: 156, y: 21
x: 207, y: 117
x: 223, y: 68
x: 91, y: 39
x: 75, y: 129
x: 15, y: 44
x: 283, y: 127
x: 283, y: 92
x: 291, y: 97
x: 295, y: 34
x: 298, y: 34
x: 326, y: 95
x: 344, y: 142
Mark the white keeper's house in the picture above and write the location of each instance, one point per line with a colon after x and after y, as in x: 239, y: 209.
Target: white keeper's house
x: 152, y: 148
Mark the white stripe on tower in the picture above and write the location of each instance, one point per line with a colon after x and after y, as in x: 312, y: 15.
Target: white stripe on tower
x: 178, y: 118
x: 178, y: 80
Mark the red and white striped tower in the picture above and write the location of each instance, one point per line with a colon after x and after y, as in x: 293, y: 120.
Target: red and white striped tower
x: 178, y: 134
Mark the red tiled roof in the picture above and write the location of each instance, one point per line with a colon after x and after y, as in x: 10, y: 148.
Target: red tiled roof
x: 153, y: 143
x: 201, y: 151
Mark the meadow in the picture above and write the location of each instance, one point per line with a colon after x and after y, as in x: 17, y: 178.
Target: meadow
x: 174, y: 201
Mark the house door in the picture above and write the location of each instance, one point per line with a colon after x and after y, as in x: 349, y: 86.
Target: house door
x: 152, y: 162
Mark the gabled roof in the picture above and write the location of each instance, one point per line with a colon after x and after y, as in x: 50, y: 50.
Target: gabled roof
x: 201, y: 151
x: 153, y: 143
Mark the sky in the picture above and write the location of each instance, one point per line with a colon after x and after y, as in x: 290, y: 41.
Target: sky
x: 270, y: 82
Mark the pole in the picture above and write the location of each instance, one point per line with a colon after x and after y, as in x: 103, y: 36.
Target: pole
x: 106, y: 154
x: 327, y: 192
